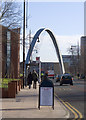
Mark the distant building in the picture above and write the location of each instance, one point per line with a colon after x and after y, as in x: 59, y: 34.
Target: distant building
x: 45, y: 66
x: 10, y: 52
x: 67, y: 59
x: 83, y: 55
x: 85, y: 18
x: 67, y: 63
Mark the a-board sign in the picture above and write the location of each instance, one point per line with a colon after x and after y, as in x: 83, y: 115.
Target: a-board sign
x: 46, y: 93
x: 46, y: 96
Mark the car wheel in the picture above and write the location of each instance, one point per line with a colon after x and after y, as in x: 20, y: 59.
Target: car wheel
x: 60, y: 84
x: 71, y: 83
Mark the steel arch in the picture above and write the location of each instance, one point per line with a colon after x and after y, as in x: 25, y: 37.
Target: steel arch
x: 55, y: 45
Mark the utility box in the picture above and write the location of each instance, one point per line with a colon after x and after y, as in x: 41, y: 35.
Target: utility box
x: 46, y: 94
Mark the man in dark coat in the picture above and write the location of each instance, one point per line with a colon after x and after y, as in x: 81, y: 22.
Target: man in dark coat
x: 35, y: 78
x: 29, y: 80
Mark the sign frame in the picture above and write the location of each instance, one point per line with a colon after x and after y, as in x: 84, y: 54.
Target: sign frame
x: 52, y: 96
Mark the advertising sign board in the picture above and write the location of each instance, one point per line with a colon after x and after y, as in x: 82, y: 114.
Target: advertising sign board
x: 46, y: 96
x: 46, y: 93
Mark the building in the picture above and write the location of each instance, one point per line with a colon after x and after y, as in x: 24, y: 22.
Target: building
x: 10, y: 52
x: 0, y: 52
x: 83, y: 55
x: 46, y: 66
x: 85, y: 18
x: 67, y: 63
x: 67, y: 59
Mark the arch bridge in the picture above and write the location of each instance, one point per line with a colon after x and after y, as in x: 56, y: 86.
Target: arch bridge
x: 36, y: 36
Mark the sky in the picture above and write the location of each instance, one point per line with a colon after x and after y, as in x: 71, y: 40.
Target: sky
x: 64, y: 19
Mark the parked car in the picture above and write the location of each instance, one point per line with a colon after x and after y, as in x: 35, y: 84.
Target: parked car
x: 58, y: 77
x: 82, y: 76
x: 66, y: 79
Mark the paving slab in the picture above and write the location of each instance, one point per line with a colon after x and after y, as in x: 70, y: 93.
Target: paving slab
x: 25, y: 105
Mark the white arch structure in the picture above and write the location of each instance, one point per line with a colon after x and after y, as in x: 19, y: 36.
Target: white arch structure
x: 36, y: 36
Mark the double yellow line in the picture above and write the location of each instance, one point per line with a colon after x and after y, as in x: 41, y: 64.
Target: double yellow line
x: 76, y: 113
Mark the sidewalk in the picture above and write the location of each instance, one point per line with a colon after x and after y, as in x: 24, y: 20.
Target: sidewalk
x: 25, y: 105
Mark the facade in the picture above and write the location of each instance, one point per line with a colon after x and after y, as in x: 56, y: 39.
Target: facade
x: 71, y: 63
x: 67, y: 63
x: 67, y: 59
x: 10, y: 52
x: 83, y: 55
x: 85, y: 18
x: 46, y: 66
x: 0, y: 51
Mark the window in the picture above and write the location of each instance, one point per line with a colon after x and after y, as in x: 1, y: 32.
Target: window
x: 8, y: 50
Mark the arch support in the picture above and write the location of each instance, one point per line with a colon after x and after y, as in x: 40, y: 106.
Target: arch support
x: 55, y: 45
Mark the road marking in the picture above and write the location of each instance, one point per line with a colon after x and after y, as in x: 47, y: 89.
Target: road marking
x: 75, y: 114
x: 75, y: 110
x: 71, y: 108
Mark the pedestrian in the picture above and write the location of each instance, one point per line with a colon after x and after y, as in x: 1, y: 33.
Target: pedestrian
x: 78, y: 75
x: 45, y: 77
x: 46, y: 81
x: 35, y: 78
x: 42, y: 74
x: 29, y: 80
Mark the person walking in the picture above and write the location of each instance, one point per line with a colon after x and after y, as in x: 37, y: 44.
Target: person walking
x: 29, y: 80
x: 35, y: 78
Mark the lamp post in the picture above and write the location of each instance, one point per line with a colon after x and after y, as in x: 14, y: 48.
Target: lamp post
x: 23, y: 42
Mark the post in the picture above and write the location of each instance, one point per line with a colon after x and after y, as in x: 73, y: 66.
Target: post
x: 39, y: 71
x: 23, y: 43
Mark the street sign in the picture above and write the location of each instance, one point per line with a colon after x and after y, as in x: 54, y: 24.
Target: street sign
x: 39, y: 65
x: 37, y: 59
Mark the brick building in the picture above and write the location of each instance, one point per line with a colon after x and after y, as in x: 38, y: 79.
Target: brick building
x: 83, y: 55
x: 10, y: 52
x: 0, y: 51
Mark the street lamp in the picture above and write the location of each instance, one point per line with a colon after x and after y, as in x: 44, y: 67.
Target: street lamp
x: 23, y: 42
x: 38, y: 39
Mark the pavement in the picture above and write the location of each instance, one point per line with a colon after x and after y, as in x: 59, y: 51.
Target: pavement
x: 25, y: 105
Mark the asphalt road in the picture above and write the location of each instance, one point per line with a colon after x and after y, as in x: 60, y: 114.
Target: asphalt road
x: 73, y: 97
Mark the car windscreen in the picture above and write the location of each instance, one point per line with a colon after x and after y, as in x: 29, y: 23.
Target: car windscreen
x: 66, y: 77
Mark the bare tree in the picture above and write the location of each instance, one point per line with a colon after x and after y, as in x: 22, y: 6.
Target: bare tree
x: 11, y: 14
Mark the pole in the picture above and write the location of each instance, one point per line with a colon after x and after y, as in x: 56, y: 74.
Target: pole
x: 39, y: 71
x: 30, y: 43
x: 23, y: 42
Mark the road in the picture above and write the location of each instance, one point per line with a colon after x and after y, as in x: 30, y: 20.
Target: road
x: 73, y: 97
